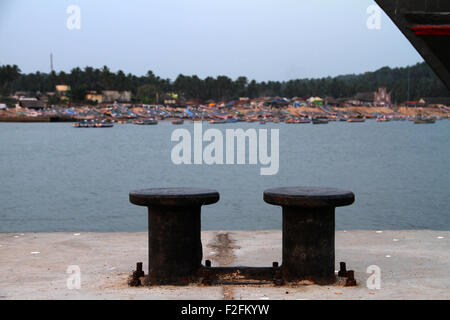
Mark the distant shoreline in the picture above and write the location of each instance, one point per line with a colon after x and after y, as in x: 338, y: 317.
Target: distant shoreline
x: 404, y: 113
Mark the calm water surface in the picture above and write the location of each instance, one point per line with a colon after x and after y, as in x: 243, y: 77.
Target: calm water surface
x: 58, y: 178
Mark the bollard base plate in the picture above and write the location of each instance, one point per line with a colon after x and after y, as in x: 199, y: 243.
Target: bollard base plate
x: 251, y: 276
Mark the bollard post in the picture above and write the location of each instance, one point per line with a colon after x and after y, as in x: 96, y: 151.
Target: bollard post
x: 174, y: 231
x: 308, y: 230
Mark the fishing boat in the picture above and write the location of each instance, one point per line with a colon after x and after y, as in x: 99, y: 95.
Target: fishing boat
x: 319, y: 120
x: 178, y: 122
x: 302, y: 120
x: 422, y: 119
x: 93, y: 124
x: 289, y: 120
x: 356, y: 119
x: 103, y: 124
x: 262, y: 122
x: 146, y: 122
x: 84, y: 124
x: 217, y: 121
x: 383, y: 119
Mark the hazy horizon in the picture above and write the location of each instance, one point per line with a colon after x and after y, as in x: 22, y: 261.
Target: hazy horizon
x: 262, y: 40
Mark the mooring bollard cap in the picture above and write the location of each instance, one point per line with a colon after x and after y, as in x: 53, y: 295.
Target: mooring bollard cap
x: 310, y: 197
x: 174, y: 197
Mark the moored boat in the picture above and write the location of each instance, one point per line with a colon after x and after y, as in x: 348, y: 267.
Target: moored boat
x: 103, y: 124
x: 302, y: 120
x: 178, y: 122
x: 421, y: 120
x: 357, y: 119
x: 93, y: 124
x: 218, y: 121
x: 383, y: 119
x: 146, y: 122
x: 319, y: 120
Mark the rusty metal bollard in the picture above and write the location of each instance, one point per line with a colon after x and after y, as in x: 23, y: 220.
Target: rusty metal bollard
x: 174, y: 231
x: 308, y: 230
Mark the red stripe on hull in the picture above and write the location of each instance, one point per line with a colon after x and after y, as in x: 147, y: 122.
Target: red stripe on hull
x: 431, y: 31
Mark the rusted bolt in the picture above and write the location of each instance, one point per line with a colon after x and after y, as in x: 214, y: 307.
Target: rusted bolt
x: 174, y: 239
x: 343, y: 270
x: 208, y: 263
x: 278, y: 282
x: 207, y: 276
x: 351, y: 282
x: 135, y: 280
x: 308, y: 229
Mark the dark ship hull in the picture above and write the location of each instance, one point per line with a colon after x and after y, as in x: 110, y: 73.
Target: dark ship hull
x: 426, y: 24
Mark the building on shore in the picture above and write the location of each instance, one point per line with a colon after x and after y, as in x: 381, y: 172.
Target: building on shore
x: 170, y: 99
x: 31, y: 103
x: 315, y: 102
x: 62, y: 90
x: 109, y: 96
x: 363, y: 99
x: 329, y: 101
x: 94, y: 96
x: 382, y: 98
x: 193, y: 102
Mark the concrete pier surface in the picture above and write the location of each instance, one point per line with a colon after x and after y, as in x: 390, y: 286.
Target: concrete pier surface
x: 413, y: 264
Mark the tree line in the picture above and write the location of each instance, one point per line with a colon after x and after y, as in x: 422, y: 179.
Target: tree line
x: 414, y: 82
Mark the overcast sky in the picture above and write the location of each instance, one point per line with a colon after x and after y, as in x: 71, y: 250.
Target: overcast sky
x: 260, y: 39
